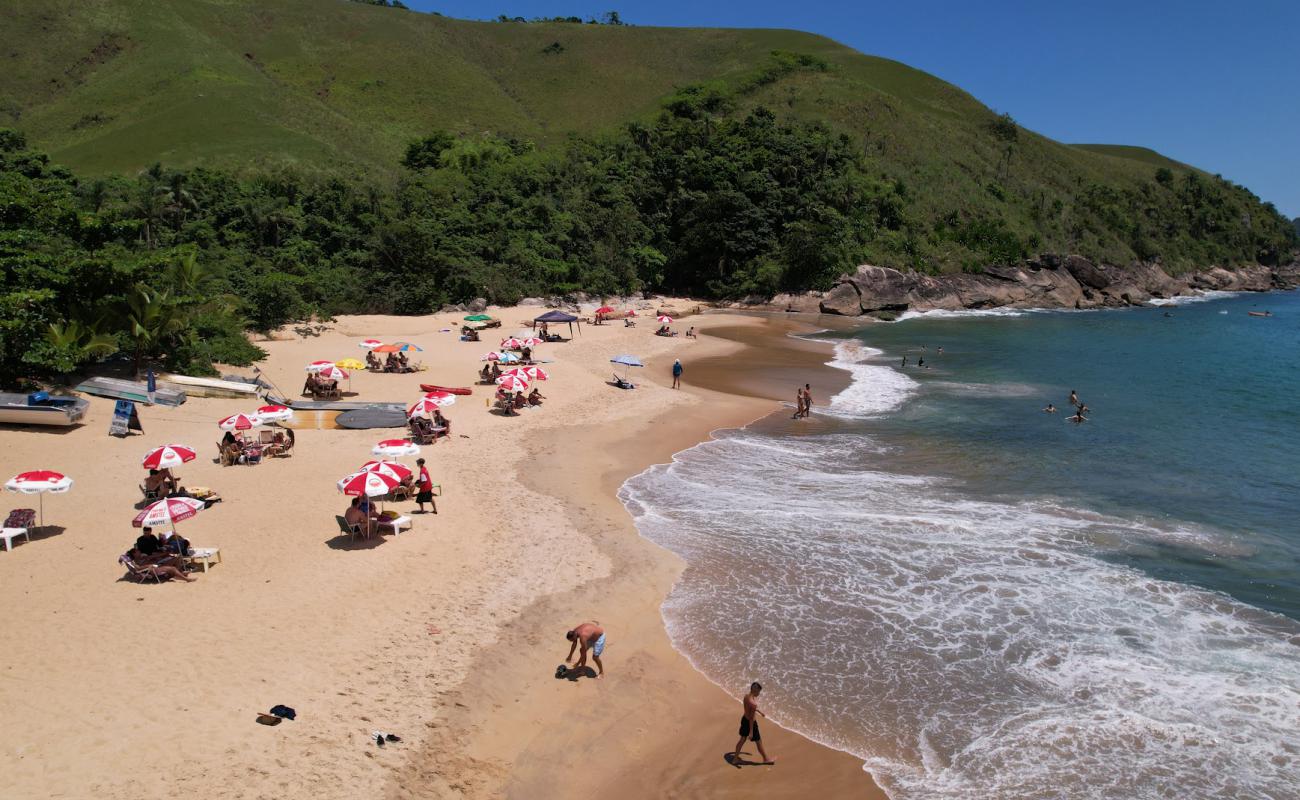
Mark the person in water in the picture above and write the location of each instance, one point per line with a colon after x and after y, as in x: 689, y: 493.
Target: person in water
x: 749, y: 725
x: 1078, y: 416
x: 798, y: 402
x: 807, y: 399
x: 1074, y: 398
x: 1051, y: 409
x: 940, y: 349
x: 904, y: 361
x: 920, y: 362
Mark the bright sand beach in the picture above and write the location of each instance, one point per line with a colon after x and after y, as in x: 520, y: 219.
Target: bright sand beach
x: 447, y: 635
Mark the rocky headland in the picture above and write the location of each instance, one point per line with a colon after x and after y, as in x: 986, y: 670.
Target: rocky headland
x: 1048, y: 281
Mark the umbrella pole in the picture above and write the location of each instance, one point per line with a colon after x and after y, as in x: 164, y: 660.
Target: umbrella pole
x: 41, y: 498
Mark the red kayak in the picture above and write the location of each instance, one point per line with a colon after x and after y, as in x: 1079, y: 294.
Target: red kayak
x: 429, y: 387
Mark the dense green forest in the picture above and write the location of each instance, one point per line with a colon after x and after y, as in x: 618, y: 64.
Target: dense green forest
x: 173, y: 265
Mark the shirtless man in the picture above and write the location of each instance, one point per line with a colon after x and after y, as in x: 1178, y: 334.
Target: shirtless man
x: 807, y: 399
x: 1074, y: 398
x: 749, y: 725
x: 798, y: 402
x: 587, y: 635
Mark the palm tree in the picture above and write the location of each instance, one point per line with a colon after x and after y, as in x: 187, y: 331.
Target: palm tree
x: 76, y: 343
x: 148, y: 207
x: 178, y: 201
x: 151, y: 317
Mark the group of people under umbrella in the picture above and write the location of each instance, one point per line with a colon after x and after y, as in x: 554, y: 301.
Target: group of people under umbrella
x: 239, y: 446
x: 385, y: 478
x: 168, y: 555
x: 513, y: 382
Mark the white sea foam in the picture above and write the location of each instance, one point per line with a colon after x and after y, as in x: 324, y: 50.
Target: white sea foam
x: 966, y: 648
x: 964, y: 313
x: 875, y: 389
x: 1199, y: 297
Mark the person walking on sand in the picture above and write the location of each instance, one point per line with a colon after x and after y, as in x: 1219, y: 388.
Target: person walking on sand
x: 749, y: 725
x: 587, y: 635
x: 677, y: 373
x: 425, y: 484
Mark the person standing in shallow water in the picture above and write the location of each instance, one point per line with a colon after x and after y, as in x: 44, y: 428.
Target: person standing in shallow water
x: 798, y: 402
x: 1074, y: 398
x: 807, y: 399
x: 749, y: 725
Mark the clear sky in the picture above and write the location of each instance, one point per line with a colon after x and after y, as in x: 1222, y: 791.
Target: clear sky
x: 1214, y: 84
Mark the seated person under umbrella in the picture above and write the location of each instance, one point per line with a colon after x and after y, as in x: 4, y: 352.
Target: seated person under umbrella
x: 485, y: 374
x: 535, y: 398
x: 153, y: 552
x: 403, y: 363
x: 439, y: 421
x: 163, y: 570
x: 160, y: 482
x: 372, y: 362
x: 390, y: 363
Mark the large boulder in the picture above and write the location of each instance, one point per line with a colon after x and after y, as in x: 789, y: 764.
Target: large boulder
x: 843, y: 299
x: 532, y: 301
x: 804, y: 302
x: 1086, y: 272
x: 477, y: 305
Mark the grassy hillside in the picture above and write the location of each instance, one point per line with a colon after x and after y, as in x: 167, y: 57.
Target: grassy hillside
x: 331, y: 86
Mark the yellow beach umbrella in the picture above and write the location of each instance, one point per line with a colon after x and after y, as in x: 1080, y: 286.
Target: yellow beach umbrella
x: 351, y: 363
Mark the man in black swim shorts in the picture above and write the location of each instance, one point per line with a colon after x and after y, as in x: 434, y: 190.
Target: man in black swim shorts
x: 749, y: 725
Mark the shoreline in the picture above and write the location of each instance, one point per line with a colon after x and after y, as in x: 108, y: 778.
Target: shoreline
x: 654, y: 709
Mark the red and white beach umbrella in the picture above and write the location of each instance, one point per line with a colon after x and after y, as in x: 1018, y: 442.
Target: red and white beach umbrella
x: 441, y: 398
x: 367, y: 484
x: 528, y: 373
x: 317, y: 366
x: 604, y: 310
x: 167, y: 456
x: 530, y: 341
x: 424, y: 407
x: 390, y: 468
x: 512, y: 383
x: 511, y: 344
x: 369, y: 344
x: 664, y: 318
x: 168, y: 512
x: 238, y: 422
x: 39, y: 482
x: 273, y: 413
x: 393, y: 448
x: 332, y: 373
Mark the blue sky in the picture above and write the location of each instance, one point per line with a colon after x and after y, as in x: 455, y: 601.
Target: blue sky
x: 1216, y: 85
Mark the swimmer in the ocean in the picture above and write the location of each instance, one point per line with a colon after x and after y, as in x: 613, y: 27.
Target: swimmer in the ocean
x: 905, y: 361
x: 1051, y: 409
x: 1074, y: 398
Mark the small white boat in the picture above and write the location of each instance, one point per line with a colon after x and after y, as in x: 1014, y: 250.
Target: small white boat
x: 39, y: 408
x: 212, y: 387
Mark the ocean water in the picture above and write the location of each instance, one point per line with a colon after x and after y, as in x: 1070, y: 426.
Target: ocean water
x: 983, y: 600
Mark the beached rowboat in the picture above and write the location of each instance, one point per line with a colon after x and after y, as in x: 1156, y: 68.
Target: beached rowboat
x: 429, y: 387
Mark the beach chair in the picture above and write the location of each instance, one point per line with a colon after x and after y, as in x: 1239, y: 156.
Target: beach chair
x: 150, y: 494
x: 351, y: 530
x: 141, y: 573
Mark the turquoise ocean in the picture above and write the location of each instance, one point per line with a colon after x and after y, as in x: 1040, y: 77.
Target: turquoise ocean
x: 978, y: 598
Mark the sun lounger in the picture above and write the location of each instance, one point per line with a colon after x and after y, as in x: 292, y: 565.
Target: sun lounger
x: 396, y: 524
x: 142, y: 573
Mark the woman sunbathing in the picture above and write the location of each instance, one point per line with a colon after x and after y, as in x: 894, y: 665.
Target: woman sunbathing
x: 162, y: 570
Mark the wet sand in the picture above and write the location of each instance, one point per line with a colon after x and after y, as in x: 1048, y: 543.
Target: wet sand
x: 654, y: 727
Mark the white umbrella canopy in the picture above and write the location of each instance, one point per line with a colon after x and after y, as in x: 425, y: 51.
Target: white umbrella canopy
x: 168, y: 511
x: 168, y: 456
x: 38, y: 482
x: 367, y: 484
x: 512, y: 383
x: 273, y: 413
x: 395, y: 448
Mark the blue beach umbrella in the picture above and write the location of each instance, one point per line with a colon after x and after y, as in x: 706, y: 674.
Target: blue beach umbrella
x: 627, y: 361
x: 406, y: 347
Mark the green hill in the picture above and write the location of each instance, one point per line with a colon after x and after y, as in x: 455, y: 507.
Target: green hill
x: 298, y: 149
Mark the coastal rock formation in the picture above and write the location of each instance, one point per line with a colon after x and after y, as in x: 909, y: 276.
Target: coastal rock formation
x: 1048, y: 281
